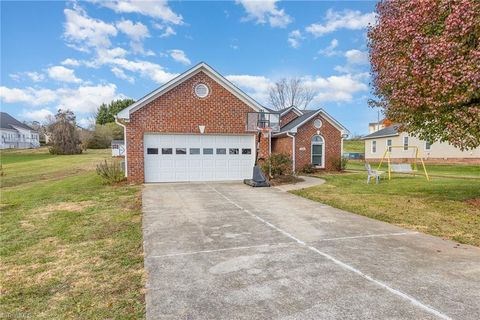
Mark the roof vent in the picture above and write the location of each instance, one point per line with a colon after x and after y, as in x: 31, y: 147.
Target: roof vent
x: 201, y: 90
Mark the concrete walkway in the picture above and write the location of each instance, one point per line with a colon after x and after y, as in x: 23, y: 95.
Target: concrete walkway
x: 229, y: 251
x: 306, y: 183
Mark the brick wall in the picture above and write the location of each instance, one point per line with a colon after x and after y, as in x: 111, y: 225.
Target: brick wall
x: 287, y: 118
x: 282, y: 145
x: 181, y: 111
x: 333, y: 143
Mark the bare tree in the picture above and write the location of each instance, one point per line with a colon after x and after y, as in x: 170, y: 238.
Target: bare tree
x: 290, y: 92
x: 64, y: 134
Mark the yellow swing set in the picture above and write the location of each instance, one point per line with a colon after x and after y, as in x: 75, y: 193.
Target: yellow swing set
x: 402, y: 167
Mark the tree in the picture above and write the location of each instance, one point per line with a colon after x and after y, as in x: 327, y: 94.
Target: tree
x: 106, y: 113
x: 290, y: 92
x: 425, y: 58
x: 64, y: 134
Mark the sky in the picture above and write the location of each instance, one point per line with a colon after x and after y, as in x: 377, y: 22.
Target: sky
x: 79, y: 54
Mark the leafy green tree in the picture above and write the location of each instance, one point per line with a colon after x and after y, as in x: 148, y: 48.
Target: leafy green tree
x: 106, y: 113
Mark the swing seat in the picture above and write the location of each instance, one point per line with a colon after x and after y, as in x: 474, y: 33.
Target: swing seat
x: 402, y: 168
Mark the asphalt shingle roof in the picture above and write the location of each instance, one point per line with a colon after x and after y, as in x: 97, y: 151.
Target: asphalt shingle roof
x: 385, y: 132
x: 6, y: 122
x: 297, y: 121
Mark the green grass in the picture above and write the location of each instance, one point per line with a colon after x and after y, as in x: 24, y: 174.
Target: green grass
x: 446, y: 207
x: 354, y: 146
x: 454, y: 170
x: 71, y: 248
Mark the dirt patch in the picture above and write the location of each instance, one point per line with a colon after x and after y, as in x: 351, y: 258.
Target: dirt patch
x: 474, y: 202
x: 63, y: 206
x: 285, y: 180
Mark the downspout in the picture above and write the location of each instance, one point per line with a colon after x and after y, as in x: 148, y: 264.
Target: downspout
x: 125, y: 142
x: 293, y: 150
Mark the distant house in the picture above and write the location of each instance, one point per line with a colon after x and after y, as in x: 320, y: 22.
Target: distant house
x: 118, y: 148
x: 438, y: 152
x: 16, y: 135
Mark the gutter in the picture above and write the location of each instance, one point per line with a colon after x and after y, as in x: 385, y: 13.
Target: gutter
x: 125, y: 142
x: 293, y: 150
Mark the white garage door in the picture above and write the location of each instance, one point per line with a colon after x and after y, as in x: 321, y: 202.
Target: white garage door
x: 173, y: 158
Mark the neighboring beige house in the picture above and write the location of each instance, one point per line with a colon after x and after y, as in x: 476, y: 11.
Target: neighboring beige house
x: 376, y: 143
x: 375, y: 126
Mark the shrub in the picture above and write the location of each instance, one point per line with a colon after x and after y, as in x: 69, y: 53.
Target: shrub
x: 110, y: 172
x: 340, y: 164
x: 308, y: 169
x: 278, y: 164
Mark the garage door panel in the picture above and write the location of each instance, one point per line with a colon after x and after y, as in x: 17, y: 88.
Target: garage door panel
x: 202, y: 163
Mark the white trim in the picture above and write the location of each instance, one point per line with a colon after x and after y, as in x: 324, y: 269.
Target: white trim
x: 201, y: 67
x: 125, y: 144
x: 323, y: 150
x: 371, y: 146
x: 293, y: 149
x: 292, y: 108
x: 383, y: 136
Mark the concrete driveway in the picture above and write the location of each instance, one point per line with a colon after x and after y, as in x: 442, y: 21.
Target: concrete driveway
x: 228, y: 251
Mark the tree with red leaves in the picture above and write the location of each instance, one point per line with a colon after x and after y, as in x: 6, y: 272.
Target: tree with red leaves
x: 425, y: 58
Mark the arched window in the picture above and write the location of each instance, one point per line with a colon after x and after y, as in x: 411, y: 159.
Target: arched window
x: 318, y: 151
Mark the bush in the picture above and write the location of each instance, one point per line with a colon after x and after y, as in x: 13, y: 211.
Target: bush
x: 308, y: 169
x: 278, y: 164
x: 110, y: 172
x: 340, y: 164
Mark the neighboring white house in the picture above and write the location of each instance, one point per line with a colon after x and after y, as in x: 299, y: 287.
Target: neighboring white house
x: 376, y: 143
x: 118, y: 148
x: 14, y: 134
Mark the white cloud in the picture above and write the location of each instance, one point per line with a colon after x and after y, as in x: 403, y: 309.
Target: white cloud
x: 62, y: 74
x: 71, y: 62
x: 37, y: 115
x: 86, y: 122
x: 28, y: 95
x: 294, y: 38
x: 119, y: 73
x: 81, y: 99
x: 330, y: 50
x: 84, y: 33
x: 334, y: 88
x: 33, y: 76
x: 355, y: 56
x: 347, y: 19
x: 167, y: 30
x: 144, y: 68
x: 157, y: 9
x: 137, y: 32
x: 256, y: 86
x: 265, y: 11
x: 179, y: 56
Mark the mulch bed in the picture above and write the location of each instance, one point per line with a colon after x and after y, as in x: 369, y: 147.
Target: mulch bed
x: 284, y: 180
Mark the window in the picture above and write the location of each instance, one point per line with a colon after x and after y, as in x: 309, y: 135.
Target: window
x: 149, y: 150
x: 374, y: 146
x: 428, y: 145
x: 317, y: 150
x: 405, y: 143
x: 233, y: 151
x: 194, y: 150
x: 221, y: 151
x: 317, y: 123
x: 389, y: 145
x: 201, y: 90
x: 247, y: 151
x: 181, y: 151
x: 207, y: 150
x: 167, y: 150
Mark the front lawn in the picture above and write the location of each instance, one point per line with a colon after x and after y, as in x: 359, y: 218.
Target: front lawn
x: 454, y: 170
x: 71, y: 247
x: 446, y: 207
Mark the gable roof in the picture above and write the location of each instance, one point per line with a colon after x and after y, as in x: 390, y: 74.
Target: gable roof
x: 202, y: 66
x: 8, y: 122
x: 385, y: 132
x: 291, y: 108
x: 306, y: 116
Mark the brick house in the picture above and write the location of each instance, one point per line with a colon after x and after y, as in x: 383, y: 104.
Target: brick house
x: 196, y: 127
